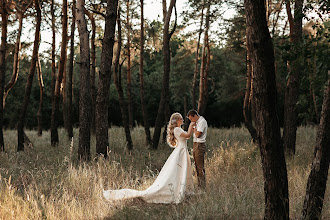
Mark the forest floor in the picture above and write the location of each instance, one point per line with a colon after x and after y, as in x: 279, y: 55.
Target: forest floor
x: 45, y: 182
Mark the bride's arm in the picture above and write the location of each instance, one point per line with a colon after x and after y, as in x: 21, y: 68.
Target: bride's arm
x: 189, y: 132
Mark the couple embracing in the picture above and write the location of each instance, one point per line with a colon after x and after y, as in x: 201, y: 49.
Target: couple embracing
x: 175, y: 178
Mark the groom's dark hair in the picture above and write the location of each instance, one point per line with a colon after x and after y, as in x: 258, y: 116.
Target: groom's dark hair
x: 192, y: 113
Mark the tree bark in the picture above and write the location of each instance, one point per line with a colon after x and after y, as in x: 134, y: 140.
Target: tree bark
x: 53, y: 126
x: 28, y: 88
x: 317, y: 180
x: 185, y: 109
x: 312, y: 90
x: 14, y: 76
x: 129, y: 73
x: 41, y: 86
x: 61, y: 67
x: 102, y: 99
x: 193, y: 91
x: 267, y: 123
x: 292, y: 87
x: 248, y: 98
x: 93, y: 62
x: 205, y: 62
x: 143, y: 103
x: 70, y: 73
x: 166, y: 74
x: 3, y: 49
x: 63, y: 89
x: 117, y: 81
x: 85, y: 95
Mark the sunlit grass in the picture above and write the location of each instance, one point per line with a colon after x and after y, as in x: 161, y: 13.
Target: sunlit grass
x: 45, y: 182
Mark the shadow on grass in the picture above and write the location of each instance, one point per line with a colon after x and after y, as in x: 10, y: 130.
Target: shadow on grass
x: 139, y: 209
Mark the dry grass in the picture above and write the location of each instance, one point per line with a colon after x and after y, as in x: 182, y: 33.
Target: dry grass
x: 49, y: 183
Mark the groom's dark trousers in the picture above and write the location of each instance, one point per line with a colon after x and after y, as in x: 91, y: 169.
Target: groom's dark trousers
x: 198, y: 153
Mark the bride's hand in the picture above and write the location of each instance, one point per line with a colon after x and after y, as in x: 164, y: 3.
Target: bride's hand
x: 192, y: 124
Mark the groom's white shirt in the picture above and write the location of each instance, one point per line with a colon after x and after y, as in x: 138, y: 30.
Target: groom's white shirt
x: 201, y: 126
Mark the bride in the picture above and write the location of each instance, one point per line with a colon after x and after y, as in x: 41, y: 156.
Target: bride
x: 175, y: 179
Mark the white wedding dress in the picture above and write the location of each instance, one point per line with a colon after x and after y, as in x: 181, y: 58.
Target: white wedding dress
x: 173, y: 182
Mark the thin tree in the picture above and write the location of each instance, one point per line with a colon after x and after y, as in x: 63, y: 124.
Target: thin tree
x: 261, y: 49
x: 70, y: 72
x: 102, y: 99
x: 41, y: 86
x: 28, y: 88
x: 312, y: 75
x: 85, y: 96
x: 205, y: 63
x: 20, y: 11
x: 63, y: 90
x: 143, y: 102
x: 163, y: 104
x: 193, y: 90
x: 53, y: 130
x: 93, y: 65
x: 292, y: 85
x: 317, y: 180
x: 61, y: 67
x: 129, y: 66
x: 247, y: 108
x: 117, y: 81
x: 185, y: 110
x: 3, y: 49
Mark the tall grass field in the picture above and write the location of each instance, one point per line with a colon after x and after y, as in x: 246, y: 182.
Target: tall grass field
x: 45, y: 182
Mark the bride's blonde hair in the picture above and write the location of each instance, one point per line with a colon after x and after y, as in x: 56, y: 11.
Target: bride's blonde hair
x: 173, y: 123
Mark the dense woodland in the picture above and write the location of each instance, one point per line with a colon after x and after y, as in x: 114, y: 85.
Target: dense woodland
x: 227, y: 70
x: 266, y: 68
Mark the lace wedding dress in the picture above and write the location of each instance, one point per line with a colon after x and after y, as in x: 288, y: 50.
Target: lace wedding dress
x: 173, y: 182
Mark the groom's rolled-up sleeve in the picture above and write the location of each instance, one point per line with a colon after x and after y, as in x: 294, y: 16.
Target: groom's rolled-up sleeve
x: 200, y: 127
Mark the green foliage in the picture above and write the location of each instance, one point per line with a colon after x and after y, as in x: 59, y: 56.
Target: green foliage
x: 227, y: 71
x: 316, y: 60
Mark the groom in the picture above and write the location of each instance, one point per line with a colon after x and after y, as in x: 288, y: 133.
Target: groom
x: 199, y: 146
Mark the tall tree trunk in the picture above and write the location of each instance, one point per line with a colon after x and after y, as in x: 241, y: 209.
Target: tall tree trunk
x: 117, y: 81
x: 311, y: 87
x: 203, y: 90
x: 53, y: 125
x: 28, y: 88
x: 312, y: 91
x: 129, y: 72
x: 93, y: 62
x: 167, y: 116
x: 208, y: 60
x: 41, y: 85
x: 248, y: 98
x: 292, y: 86
x: 14, y: 76
x: 185, y: 109
x: 143, y: 103
x: 102, y: 99
x: 70, y: 73
x: 317, y: 180
x: 85, y: 95
x: 63, y: 89
x: 3, y: 48
x: 267, y: 123
x: 166, y: 74
x: 193, y: 91
x: 61, y: 67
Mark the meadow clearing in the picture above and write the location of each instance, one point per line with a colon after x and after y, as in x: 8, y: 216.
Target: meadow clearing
x: 45, y: 182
